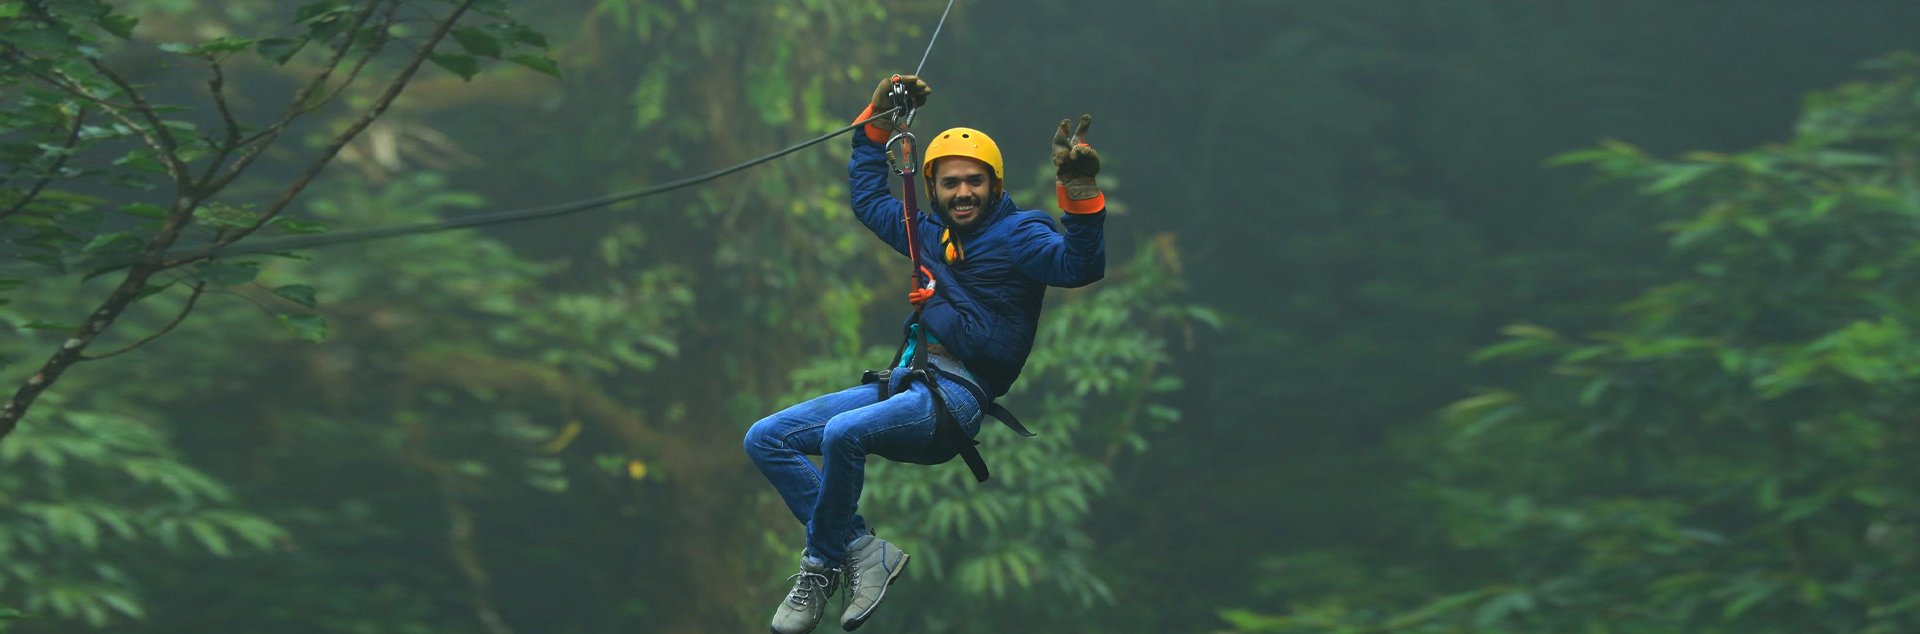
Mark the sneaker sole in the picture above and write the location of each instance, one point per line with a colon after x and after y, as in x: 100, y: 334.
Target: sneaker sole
x: 891, y: 577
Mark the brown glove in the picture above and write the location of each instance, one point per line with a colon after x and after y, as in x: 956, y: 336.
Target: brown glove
x: 917, y: 90
x: 1075, y: 165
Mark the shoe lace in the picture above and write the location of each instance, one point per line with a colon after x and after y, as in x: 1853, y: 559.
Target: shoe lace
x: 806, y: 583
x: 852, y: 576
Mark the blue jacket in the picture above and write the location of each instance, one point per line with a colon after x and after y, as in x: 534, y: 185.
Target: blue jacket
x: 986, y: 307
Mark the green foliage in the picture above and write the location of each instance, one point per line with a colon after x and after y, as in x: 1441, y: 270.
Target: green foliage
x: 80, y: 139
x: 1731, y: 454
x: 85, y: 492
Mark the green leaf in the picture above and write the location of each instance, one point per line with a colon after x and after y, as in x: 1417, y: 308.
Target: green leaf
x: 1516, y: 348
x: 210, y: 537
x: 477, y: 41
x: 538, y: 63
x: 144, y: 210
x: 116, y: 242
x: 280, y: 49
x: 301, y: 226
x: 125, y: 604
x: 316, y: 10
x: 1596, y: 387
x: 11, y: 9
x: 1594, y: 155
x: 1769, y: 494
x: 142, y: 159
x: 520, y: 33
x: 297, y: 293
x: 466, y: 66
x: 120, y: 26
x: 223, y: 45
x: 1677, y: 177
x: 309, y: 327
x: 1500, y: 607
x: 1753, y: 597
x: 1529, y: 331
x: 67, y: 522
x: 151, y: 290
x: 224, y: 215
x: 50, y: 326
x: 229, y: 273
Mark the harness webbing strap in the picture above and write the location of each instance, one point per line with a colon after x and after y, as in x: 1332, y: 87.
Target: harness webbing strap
x: 947, y: 428
x: 1007, y: 418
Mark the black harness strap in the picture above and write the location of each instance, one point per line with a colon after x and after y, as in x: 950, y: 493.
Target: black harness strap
x: 999, y: 412
x: 947, y: 428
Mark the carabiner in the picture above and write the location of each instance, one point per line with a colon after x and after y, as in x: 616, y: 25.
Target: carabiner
x: 903, y: 163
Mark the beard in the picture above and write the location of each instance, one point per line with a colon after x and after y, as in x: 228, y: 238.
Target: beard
x: 981, y: 206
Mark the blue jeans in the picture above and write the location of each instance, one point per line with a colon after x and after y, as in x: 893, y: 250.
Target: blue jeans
x: 843, y: 428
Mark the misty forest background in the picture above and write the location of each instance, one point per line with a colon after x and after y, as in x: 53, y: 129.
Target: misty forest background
x: 1596, y: 316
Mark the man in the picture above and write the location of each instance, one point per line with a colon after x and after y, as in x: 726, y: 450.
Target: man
x: 992, y: 263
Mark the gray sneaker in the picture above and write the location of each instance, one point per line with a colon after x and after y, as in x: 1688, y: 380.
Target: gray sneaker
x: 872, y: 565
x: 807, y: 602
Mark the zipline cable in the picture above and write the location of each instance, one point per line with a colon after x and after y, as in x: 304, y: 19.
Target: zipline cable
x: 288, y: 243
x: 935, y: 36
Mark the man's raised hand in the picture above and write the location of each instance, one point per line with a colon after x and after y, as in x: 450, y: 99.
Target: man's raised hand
x: 1075, y: 165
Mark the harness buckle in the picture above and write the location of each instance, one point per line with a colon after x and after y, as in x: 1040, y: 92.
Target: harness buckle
x: 879, y: 379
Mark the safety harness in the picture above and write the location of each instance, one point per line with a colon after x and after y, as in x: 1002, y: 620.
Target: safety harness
x: 947, y: 429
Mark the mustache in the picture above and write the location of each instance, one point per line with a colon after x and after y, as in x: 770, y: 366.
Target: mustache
x: 977, y: 201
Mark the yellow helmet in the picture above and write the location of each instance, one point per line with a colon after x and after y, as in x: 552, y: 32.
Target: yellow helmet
x: 966, y: 142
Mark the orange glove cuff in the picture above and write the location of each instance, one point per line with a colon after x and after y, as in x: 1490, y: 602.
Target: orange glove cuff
x: 874, y: 133
x: 1092, y: 205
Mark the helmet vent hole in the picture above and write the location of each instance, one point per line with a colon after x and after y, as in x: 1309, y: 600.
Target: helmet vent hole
x: 966, y: 136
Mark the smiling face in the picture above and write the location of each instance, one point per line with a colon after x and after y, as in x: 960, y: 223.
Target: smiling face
x: 964, y: 190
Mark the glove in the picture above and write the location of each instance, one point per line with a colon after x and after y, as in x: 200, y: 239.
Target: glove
x: 1074, y: 166
x: 917, y: 91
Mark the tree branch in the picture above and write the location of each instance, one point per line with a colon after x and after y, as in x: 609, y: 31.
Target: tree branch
x: 340, y: 140
x: 167, y: 145
x: 218, y: 86
x: 298, y: 106
x: 379, y: 43
x: 72, y: 86
x: 73, y: 138
x: 184, y: 311
x: 180, y: 215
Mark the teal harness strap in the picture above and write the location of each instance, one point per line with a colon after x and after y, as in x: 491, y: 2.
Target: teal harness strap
x: 906, y: 354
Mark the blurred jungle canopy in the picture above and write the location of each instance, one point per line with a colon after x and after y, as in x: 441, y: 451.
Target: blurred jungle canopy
x: 1583, y: 316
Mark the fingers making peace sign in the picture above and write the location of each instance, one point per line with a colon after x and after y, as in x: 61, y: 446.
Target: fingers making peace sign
x: 1073, y: 159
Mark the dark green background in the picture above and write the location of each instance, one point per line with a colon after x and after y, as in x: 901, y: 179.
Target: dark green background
x: 1322, y: 211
